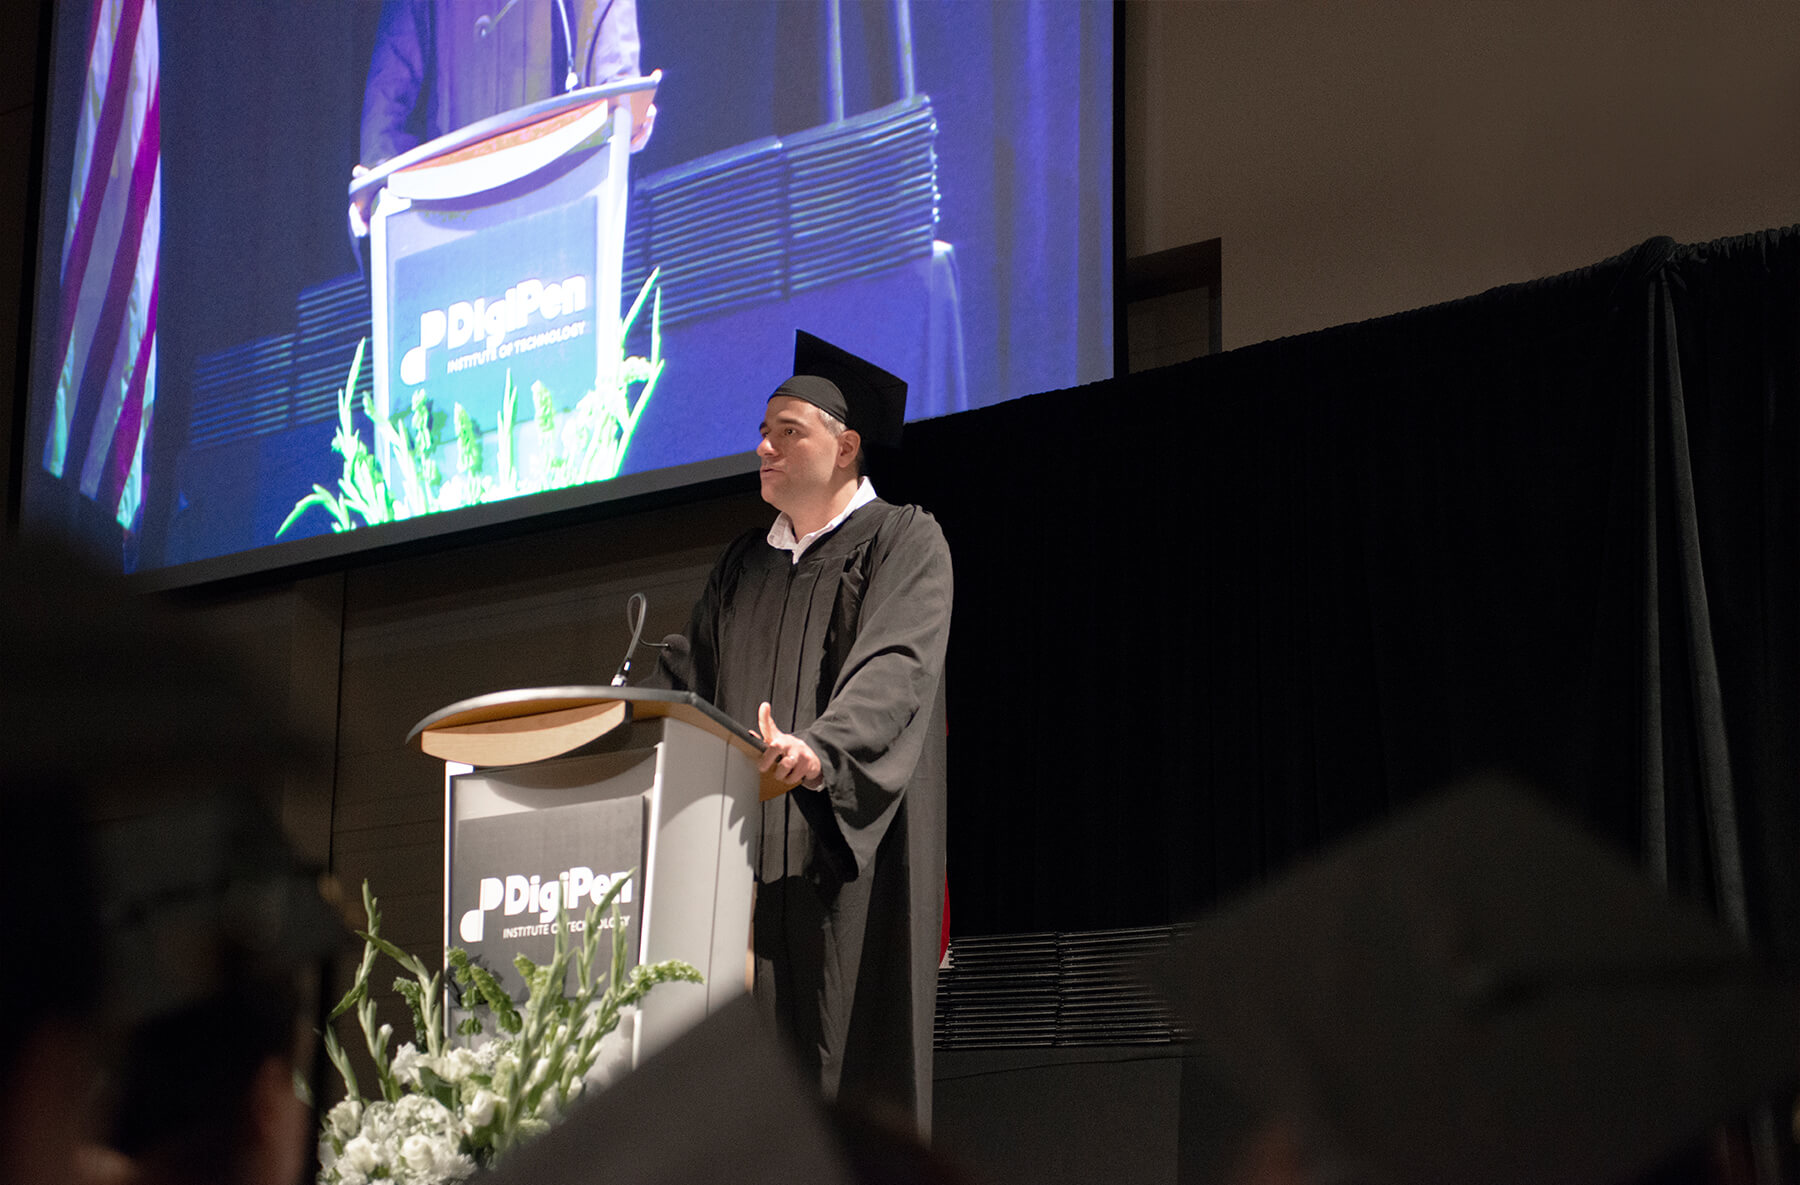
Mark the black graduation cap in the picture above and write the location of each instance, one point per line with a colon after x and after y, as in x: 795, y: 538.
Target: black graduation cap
x: 722, y: 1103
x: 202, y: 897
x: 1477, y: 992
x: 861, y: 394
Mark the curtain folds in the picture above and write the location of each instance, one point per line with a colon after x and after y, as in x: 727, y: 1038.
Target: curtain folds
x: 1213, y: 617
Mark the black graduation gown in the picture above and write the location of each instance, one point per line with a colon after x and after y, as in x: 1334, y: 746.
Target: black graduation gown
x: 847, y: 646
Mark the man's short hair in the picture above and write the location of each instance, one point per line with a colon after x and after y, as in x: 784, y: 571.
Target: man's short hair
x: 837, y: 428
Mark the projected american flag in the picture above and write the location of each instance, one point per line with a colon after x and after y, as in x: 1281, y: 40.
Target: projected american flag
x: 106, y: 323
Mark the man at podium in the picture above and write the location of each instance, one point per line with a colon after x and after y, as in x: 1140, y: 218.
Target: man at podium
x: 829, y: 630
x: 439, y: 65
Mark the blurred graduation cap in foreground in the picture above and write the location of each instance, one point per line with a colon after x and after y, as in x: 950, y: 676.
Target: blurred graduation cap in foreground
x: 201, y: 897
x: 1477, y: 992
x: 722, y: 1103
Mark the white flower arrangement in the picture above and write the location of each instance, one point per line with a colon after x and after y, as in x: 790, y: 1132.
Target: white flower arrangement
x: 416, y: 1141
x: 448, y: 1109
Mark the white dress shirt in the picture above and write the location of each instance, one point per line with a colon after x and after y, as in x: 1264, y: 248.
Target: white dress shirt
x: 781, y: 535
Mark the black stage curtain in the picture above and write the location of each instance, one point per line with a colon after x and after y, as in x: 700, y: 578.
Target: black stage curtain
x: 1213, y: 617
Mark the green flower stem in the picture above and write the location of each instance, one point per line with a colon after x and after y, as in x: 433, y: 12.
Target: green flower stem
x: 536, y: 1069
x: 584, y: 443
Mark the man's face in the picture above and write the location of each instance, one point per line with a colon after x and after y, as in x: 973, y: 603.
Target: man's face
x: 801, y: 459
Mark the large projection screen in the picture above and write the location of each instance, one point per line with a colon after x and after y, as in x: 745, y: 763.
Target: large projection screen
x: 249, y: 353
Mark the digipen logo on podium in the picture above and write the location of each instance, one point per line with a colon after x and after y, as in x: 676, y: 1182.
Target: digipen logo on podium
x: 511, y: 302
x: 509, y: 874
x: 515, y: 894
x: 526, y: 306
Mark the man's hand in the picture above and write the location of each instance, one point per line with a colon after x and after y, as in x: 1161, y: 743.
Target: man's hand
x: 791, y: 758
x: 641, y: 128
x: 359, y: 209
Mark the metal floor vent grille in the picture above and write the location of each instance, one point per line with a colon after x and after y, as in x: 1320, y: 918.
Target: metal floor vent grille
x: 242, y: 392
x: 291, y: 379
x: 332, y: 318
x: 716, y: 227
x: 1013, y: 990
x: 777, y: 216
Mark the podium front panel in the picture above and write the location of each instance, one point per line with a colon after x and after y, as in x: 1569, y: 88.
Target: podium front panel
x: 701, y: 859
x: 521, y: 280
x: 665, y: 798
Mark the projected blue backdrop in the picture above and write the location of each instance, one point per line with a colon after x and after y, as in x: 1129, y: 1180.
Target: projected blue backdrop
x: 929, y: 185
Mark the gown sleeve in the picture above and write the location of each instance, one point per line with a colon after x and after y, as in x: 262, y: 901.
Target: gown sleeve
x: 612, y: 51
x: 392, y: 95
x: 874, y: 727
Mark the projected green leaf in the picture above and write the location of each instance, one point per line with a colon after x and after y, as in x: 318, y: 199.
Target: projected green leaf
x: 562, y: 445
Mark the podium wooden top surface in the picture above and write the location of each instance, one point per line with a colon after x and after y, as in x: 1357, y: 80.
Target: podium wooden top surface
x: 639, y: 91
x: 537, y: 723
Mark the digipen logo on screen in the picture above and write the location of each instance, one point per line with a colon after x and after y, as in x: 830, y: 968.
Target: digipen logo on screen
x: 491, y: 320
x: 515, y: 894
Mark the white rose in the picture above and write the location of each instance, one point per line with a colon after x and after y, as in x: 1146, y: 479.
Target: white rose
x: 344, y: 1120
x: 420, y: 1156
x: 407, y: 1063
x: 360, y: 1156
x: 480, y: 1111
x: 458, y: 1064
x: 488, y: 1053
x: 378, y: 1120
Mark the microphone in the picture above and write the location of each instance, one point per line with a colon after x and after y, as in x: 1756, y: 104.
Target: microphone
x: 570, y: 80
x: 635, y: 608
x: 484, y: 24
x: 484, y: 27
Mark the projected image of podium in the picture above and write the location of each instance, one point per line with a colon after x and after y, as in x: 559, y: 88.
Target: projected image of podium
x: 496, y: 263
x: 552, y: 793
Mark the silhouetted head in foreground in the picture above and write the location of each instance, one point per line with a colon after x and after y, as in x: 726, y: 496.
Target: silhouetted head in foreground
x: 161, y: 957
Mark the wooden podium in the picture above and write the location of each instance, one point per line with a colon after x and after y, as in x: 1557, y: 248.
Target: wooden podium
x: 498, y: 250
x: 579, y: 758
